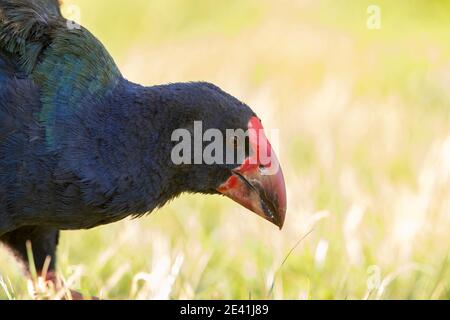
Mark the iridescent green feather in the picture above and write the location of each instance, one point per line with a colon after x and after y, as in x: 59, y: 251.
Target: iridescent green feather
x: 75, y: 68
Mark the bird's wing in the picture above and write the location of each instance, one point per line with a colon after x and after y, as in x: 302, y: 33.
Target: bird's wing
x: 69, y: 65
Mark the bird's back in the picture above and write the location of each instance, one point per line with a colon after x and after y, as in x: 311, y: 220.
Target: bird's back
x: 65, y: 61
x: 51, y: 76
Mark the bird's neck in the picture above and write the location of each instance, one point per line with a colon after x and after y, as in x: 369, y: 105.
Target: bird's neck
x: 126, y: 167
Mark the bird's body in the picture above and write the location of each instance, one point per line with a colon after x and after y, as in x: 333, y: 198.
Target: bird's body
x: 72, y: 132
x: 81, y: 146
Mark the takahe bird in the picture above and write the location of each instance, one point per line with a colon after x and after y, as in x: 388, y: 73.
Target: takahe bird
x: 80, y: 146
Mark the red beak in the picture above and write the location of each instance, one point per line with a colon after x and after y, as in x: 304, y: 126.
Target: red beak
x: 258, y: 184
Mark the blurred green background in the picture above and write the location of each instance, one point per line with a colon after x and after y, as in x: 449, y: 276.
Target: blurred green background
x: 365, y: 146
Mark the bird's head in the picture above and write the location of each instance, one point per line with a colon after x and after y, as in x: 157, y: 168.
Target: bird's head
x: 218, y: 146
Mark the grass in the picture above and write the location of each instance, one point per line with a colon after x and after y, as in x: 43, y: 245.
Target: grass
x: 364, y: 118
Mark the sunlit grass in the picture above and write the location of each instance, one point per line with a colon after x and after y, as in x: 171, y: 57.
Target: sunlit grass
x: 365, y: 127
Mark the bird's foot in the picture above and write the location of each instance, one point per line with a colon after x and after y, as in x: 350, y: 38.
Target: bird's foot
x: 51, y: 287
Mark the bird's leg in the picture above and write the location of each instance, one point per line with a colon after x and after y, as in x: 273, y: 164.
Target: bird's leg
x: 42, y: 242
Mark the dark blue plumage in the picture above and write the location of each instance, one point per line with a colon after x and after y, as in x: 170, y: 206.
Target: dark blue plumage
x: 81, y: 146
x: 112, y: 156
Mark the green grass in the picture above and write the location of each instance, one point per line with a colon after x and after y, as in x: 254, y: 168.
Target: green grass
x: 365, y: 125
